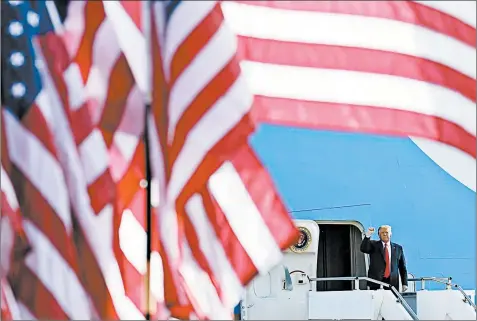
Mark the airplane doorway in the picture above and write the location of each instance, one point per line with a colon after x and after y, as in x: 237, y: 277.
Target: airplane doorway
x: 339, y: 255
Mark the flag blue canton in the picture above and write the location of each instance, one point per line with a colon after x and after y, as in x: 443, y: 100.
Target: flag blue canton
x: 21, y: 81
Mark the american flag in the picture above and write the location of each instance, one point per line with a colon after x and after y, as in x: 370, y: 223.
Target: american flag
x: 220, y: 220
x: 60, y: 171
x: 118, y: 109
x: 51, y: 269
x: 14, y: 244
x: 383, y: 67
x: 362, y: 66
x: 117, y: 106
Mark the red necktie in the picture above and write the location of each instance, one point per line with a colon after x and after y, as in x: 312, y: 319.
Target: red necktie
x: 387, y: 271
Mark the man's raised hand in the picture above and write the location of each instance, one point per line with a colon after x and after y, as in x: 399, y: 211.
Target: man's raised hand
x: 370, y: 231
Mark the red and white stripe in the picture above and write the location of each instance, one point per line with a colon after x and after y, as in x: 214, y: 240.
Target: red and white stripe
x: 217, y: 231
x: 13, y: 247
x: 118, y: 109
x: 12, y: 234
x: 41, y: 150
x: 84, y: 160
x: 9, y: 310
x: 50, y: 284
x: 382, y: 67
x: 238, y: 225
x: 62, y: 278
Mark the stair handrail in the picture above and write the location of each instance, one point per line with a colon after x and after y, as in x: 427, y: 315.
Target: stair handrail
x: 449, y: 285
x: 400, y: 298
x: 445, y: 280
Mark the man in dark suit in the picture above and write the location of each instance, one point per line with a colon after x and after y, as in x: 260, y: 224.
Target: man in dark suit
x: 386, y: 258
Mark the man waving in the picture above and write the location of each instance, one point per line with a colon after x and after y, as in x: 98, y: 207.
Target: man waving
x: 386, y: 259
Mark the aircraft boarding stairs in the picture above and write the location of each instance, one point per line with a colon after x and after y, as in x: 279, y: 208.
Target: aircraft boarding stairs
x: 292, y: 297
x: 452, y: 303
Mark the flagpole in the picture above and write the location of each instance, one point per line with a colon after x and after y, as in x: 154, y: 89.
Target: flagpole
x: 146, y: 26
x: 148, y: 214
